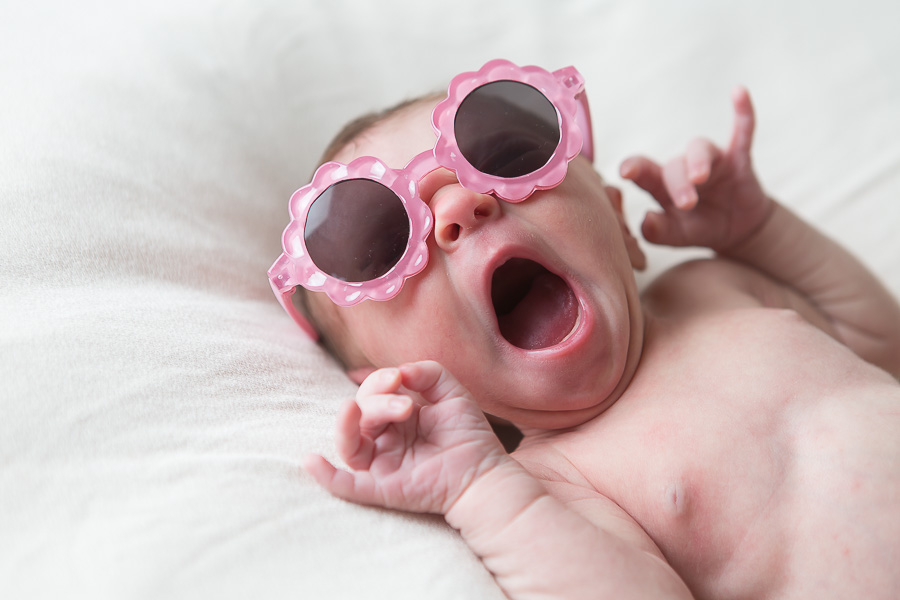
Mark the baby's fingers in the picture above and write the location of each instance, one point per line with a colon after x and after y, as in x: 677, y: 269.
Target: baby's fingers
x: 699, y: 158
x: 381, y: 410
x: 647, y: 175
x: 379, y: 382
x: 356, y: 487
x: 659, y: 228
x: 678, y: 184
x: 361, y: 422
x: 682, y: 175
x: 744, y: 121
x: 351, y: 445
x: 432, y: 381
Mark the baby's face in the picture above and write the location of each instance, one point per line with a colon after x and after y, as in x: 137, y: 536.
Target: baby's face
x: 533, y: 306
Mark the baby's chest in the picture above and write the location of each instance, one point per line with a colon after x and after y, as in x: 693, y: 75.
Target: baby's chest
x: 704, y: 451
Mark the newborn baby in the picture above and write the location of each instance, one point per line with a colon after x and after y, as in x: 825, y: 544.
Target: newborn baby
x: 731, y: 432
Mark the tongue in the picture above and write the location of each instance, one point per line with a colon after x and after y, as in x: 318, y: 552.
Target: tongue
x: 544, y: 317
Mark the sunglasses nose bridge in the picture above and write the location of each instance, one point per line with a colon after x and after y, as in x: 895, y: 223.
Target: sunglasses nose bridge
x: 458, y: 212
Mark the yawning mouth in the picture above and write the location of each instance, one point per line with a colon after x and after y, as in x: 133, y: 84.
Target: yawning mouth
x: 535, y: 308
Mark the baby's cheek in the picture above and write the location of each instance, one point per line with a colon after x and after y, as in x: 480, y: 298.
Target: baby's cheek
x: 389, y: 341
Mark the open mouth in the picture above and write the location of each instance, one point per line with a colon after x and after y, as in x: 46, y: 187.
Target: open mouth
x: 535, y: 308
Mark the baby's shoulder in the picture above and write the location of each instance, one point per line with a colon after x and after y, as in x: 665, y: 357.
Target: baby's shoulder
x: 708, y: 284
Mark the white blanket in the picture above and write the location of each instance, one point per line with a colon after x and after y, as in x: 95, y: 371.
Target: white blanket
x: 156, y: 401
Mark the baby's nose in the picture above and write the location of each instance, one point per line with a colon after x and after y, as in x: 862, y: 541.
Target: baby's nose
x: 458, y: 212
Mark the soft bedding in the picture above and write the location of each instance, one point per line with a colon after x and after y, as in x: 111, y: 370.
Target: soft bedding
x: 156, y: 401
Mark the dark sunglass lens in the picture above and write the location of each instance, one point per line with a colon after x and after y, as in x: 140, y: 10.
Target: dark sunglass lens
x: 507, y: 129
x: 356, y: 230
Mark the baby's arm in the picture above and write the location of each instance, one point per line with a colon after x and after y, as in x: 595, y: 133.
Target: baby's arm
x: 438, y: 454
x: 711, y: 197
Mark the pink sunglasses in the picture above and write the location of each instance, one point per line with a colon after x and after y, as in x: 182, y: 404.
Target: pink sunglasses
x: 359, y: 230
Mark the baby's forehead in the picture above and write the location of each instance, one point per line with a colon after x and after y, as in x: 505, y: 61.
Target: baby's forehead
x: 396, y: 139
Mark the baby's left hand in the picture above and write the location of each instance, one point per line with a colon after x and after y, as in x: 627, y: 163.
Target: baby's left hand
x: 710, y: 197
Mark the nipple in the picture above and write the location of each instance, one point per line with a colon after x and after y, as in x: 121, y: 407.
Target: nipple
x: 675, y: 499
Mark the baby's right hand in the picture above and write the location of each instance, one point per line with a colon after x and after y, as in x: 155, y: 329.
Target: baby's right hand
x: 410, y: 454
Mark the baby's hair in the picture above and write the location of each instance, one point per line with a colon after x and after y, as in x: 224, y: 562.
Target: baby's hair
x: 346, y: 135
x: 364, y: 123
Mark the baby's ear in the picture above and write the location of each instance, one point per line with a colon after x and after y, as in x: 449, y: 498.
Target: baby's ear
x: 635, y: 254
x: 359, y: 374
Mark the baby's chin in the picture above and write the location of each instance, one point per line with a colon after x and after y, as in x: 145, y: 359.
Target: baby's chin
x: 578, y: 370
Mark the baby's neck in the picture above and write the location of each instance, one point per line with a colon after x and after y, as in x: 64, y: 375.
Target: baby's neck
x: 532, y: 433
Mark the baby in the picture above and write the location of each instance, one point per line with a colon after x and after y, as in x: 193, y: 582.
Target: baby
x: 731, y: 432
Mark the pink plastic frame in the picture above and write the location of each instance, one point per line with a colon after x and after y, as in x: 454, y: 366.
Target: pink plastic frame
x: 563, y: 88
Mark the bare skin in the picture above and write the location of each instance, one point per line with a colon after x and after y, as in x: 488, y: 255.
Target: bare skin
x: 741, y: 438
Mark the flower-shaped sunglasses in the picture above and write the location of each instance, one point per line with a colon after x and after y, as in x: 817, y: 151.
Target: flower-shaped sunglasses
x: 359, y: 230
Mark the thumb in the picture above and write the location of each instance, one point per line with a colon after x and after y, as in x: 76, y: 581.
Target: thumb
x: 432, y: 381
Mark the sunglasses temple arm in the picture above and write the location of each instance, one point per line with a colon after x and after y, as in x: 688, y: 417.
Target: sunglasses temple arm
x: 583, y: 119
x: 284, y: 288
x: 573, y: 80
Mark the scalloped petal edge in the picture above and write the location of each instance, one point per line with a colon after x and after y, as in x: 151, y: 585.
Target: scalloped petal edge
x: 559, y: 88
x: 303, y: 271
